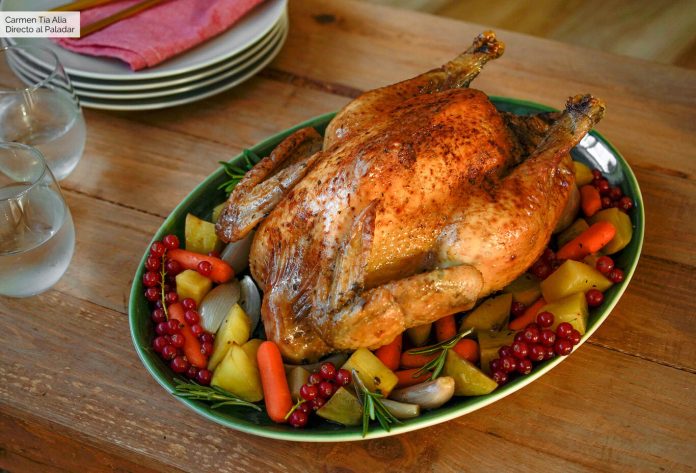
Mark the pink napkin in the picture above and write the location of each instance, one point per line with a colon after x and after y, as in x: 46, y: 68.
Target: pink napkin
x: 158, y: 33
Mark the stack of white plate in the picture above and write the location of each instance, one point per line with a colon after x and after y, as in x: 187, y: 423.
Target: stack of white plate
x: 212, y: 67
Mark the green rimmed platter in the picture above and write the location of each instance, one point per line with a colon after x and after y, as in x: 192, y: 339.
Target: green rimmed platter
x: 593, y: 150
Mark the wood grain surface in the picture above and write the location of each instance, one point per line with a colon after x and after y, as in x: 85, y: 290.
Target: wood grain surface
x: 74, y: 396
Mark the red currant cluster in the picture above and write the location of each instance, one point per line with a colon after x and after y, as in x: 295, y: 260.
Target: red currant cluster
x: 169, y: 340
x: 604, y: 265
x: 537, y: 342
x: 159, y: 267
x: 612, y: 196
x: 319, y: 388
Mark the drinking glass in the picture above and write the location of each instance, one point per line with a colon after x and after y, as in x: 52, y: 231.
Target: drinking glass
x: 38, y: 107
x: 37, y: 237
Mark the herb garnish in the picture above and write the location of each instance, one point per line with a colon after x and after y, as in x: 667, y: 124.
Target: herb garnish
x: 372, y: 407
x: 214, y: 394
x: 236, y: 173
x: 435, y: 366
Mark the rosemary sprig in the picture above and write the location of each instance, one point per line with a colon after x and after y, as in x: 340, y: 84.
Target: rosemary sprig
x: 237, y: 173
x: 372, y: 406
x: 435, y: 365
x: 213, y: 394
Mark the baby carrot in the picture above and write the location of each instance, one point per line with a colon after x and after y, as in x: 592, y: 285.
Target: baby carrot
x: 390, y: 353
x: 467, y: 349
x: 445, y: 328
x: 222, y: 272
x: 588, y: 242
x: 410, y: 360
x: 529, y: 315
x: 276, y: 392
x: 192, y: 347
x: 406, y: 378
x: 590, y: 200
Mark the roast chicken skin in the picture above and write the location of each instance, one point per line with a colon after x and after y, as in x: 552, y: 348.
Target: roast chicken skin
x: 422, y: 200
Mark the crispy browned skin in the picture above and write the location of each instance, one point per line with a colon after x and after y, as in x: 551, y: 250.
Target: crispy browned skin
x: 415, y: 208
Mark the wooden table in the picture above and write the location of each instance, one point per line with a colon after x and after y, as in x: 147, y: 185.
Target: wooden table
x: 74, y: 396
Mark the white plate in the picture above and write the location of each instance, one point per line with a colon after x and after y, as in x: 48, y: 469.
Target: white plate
x: 188, y: 97
x: 32, y: 73
x: 26, y: 62
x: 248, y: 30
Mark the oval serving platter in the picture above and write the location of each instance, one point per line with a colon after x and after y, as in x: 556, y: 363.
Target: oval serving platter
x: 593, y: 150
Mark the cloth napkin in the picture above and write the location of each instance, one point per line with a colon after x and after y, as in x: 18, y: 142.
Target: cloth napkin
x: 158, y: 33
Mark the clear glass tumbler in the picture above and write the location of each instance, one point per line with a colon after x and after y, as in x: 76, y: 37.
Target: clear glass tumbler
x: 37, y: 236
x: 38, y: 107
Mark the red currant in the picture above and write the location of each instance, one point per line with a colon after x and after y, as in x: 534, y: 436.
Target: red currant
x: 550, y: 353
x: 298, y: 418
x: 603, y: 186
x: 520, y: 350
x: 604, y: 264
x: 508, y: 364
x: 162, y: 328
x: 151, y: 279
x: 192, y: 317
x: 327, y: 371
x: 172, y: 267
x: 157, y: 248
x: 173, y: 326
x: 563, y: 330
x: 315, y: 378
x: 309, y: 392
x: 197, y: 330
x: 541, y: 269
x: 326, y: 389
x: 207, y: 349
x: 548, y: 255
x: 179, y: 364
x: 153, y: 263
x: 495, y: 365
x: 304, y: 407
x: 171, y: 242
x: 177, y: 340
x: 158, y: 316
x: 574, y: 337
x: 537, y: 352
x: 500, y: 377
x: 207, y: 337
x: 594, y: 298
x: 616, y: 275
x: 191, y: 372
x: 606, y: 202
x: 204, y: 376
x: 545, y: 319
x: 563, y: 347
x: 596, y: 174
x: 615, y: 193
x: 625, y: 203
x: 158, y: 304
x: 519, y: 337
x: 188, y: 303
x: 171, y: 297
x: 214, y: 254
x: 158, y: 343
x: 318, y: 403
x: 524, y: 366
x: 547, y: 337
x: 343, y: 377
x: 152, y: 294
x: 504, y: 351
x: 531, y: 333
x: 517, y: 309
x: 168, y: 352
x: 205, y: 268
